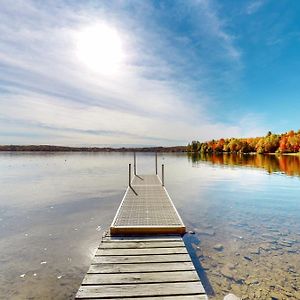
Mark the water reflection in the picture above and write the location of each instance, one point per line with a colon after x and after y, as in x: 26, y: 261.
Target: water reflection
x: 288, y: 164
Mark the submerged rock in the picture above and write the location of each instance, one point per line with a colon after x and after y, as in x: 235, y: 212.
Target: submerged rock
x: 231, y: 297
x: 250, y: 281
x: 218, y: 247
x: 285, y: 243
x: 226, y: 272
x: 265, y: 246
x: 248, y: 258
x: 276, y: 296
x: 255, y: 251
x: 205, y: 231
x: 238, y: 237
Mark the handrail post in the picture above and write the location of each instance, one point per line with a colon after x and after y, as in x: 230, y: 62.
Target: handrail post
x: 134, y: 163
x: 163, y: 174
x: 156, y: 163
x: 129, y: 175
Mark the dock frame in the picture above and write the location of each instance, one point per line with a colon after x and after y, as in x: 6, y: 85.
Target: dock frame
x: 143, y: 256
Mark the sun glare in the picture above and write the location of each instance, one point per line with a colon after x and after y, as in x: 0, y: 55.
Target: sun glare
x: 99, y: 47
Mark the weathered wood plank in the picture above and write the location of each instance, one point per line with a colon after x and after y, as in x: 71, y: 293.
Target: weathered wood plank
x: 193, y: 297
x: 129, y: 278
x: 138, y: 245
x: 143, y: 267
x: 146, y: 251
x: 182, y: 297
x: 140, y: 290
x: 146, y: 238
x: 141, y: 259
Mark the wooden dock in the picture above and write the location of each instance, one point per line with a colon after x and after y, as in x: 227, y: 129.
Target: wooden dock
x: 143, y: 256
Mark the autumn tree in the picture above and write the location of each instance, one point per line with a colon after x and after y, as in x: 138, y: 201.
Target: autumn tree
x: 271, y: 143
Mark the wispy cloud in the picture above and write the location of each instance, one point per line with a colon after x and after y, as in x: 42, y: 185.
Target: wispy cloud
x: 48, y: 96
x: 215, y: 27
x: 254, y: 6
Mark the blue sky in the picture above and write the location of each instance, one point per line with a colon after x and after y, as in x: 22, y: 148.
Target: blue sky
x: 147, y: 72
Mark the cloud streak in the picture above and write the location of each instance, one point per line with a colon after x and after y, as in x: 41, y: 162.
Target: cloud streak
x: 254, y: 6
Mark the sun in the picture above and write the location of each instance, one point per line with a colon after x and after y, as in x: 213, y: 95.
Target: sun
x: 99, y: 47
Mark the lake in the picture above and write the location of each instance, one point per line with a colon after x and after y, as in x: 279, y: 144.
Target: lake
x: 244, y: 210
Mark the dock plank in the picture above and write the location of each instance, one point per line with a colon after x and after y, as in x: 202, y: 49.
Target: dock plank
x: 140, y: 290
x: 181, y: 297
x: 143, y: 267
x: 141, y: 251
x: 135, y: 259
x: 110, y: 239
x: 129, y: 278
x: 139, y: 245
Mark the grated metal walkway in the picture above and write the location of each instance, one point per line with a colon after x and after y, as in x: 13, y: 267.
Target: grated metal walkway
x: 147, y: 209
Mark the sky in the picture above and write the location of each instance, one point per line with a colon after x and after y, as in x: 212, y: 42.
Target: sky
x: 147, y: 73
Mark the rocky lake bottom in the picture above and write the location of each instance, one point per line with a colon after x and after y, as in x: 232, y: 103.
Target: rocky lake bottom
x: 254, y: 261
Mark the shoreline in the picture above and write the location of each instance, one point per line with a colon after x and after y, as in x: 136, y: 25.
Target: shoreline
x: 161, y: 149
x: 50, y: 148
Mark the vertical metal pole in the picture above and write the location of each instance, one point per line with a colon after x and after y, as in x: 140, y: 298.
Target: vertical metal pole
x: 134, y: 163
x: 156, y: 163
x: 163, y: 174
x: 129, y: 175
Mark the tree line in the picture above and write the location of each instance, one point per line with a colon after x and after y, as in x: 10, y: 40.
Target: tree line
x: 288, y: 142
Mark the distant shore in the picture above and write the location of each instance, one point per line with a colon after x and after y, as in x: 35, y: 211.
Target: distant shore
x: 174, y: 149
x: 50, y: 148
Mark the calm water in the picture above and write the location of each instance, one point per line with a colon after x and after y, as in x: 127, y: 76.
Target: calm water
x: 245, y: 212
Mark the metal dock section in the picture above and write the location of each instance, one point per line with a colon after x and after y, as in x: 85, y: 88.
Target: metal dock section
x: 143, y: 256
x: 146, y: 209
